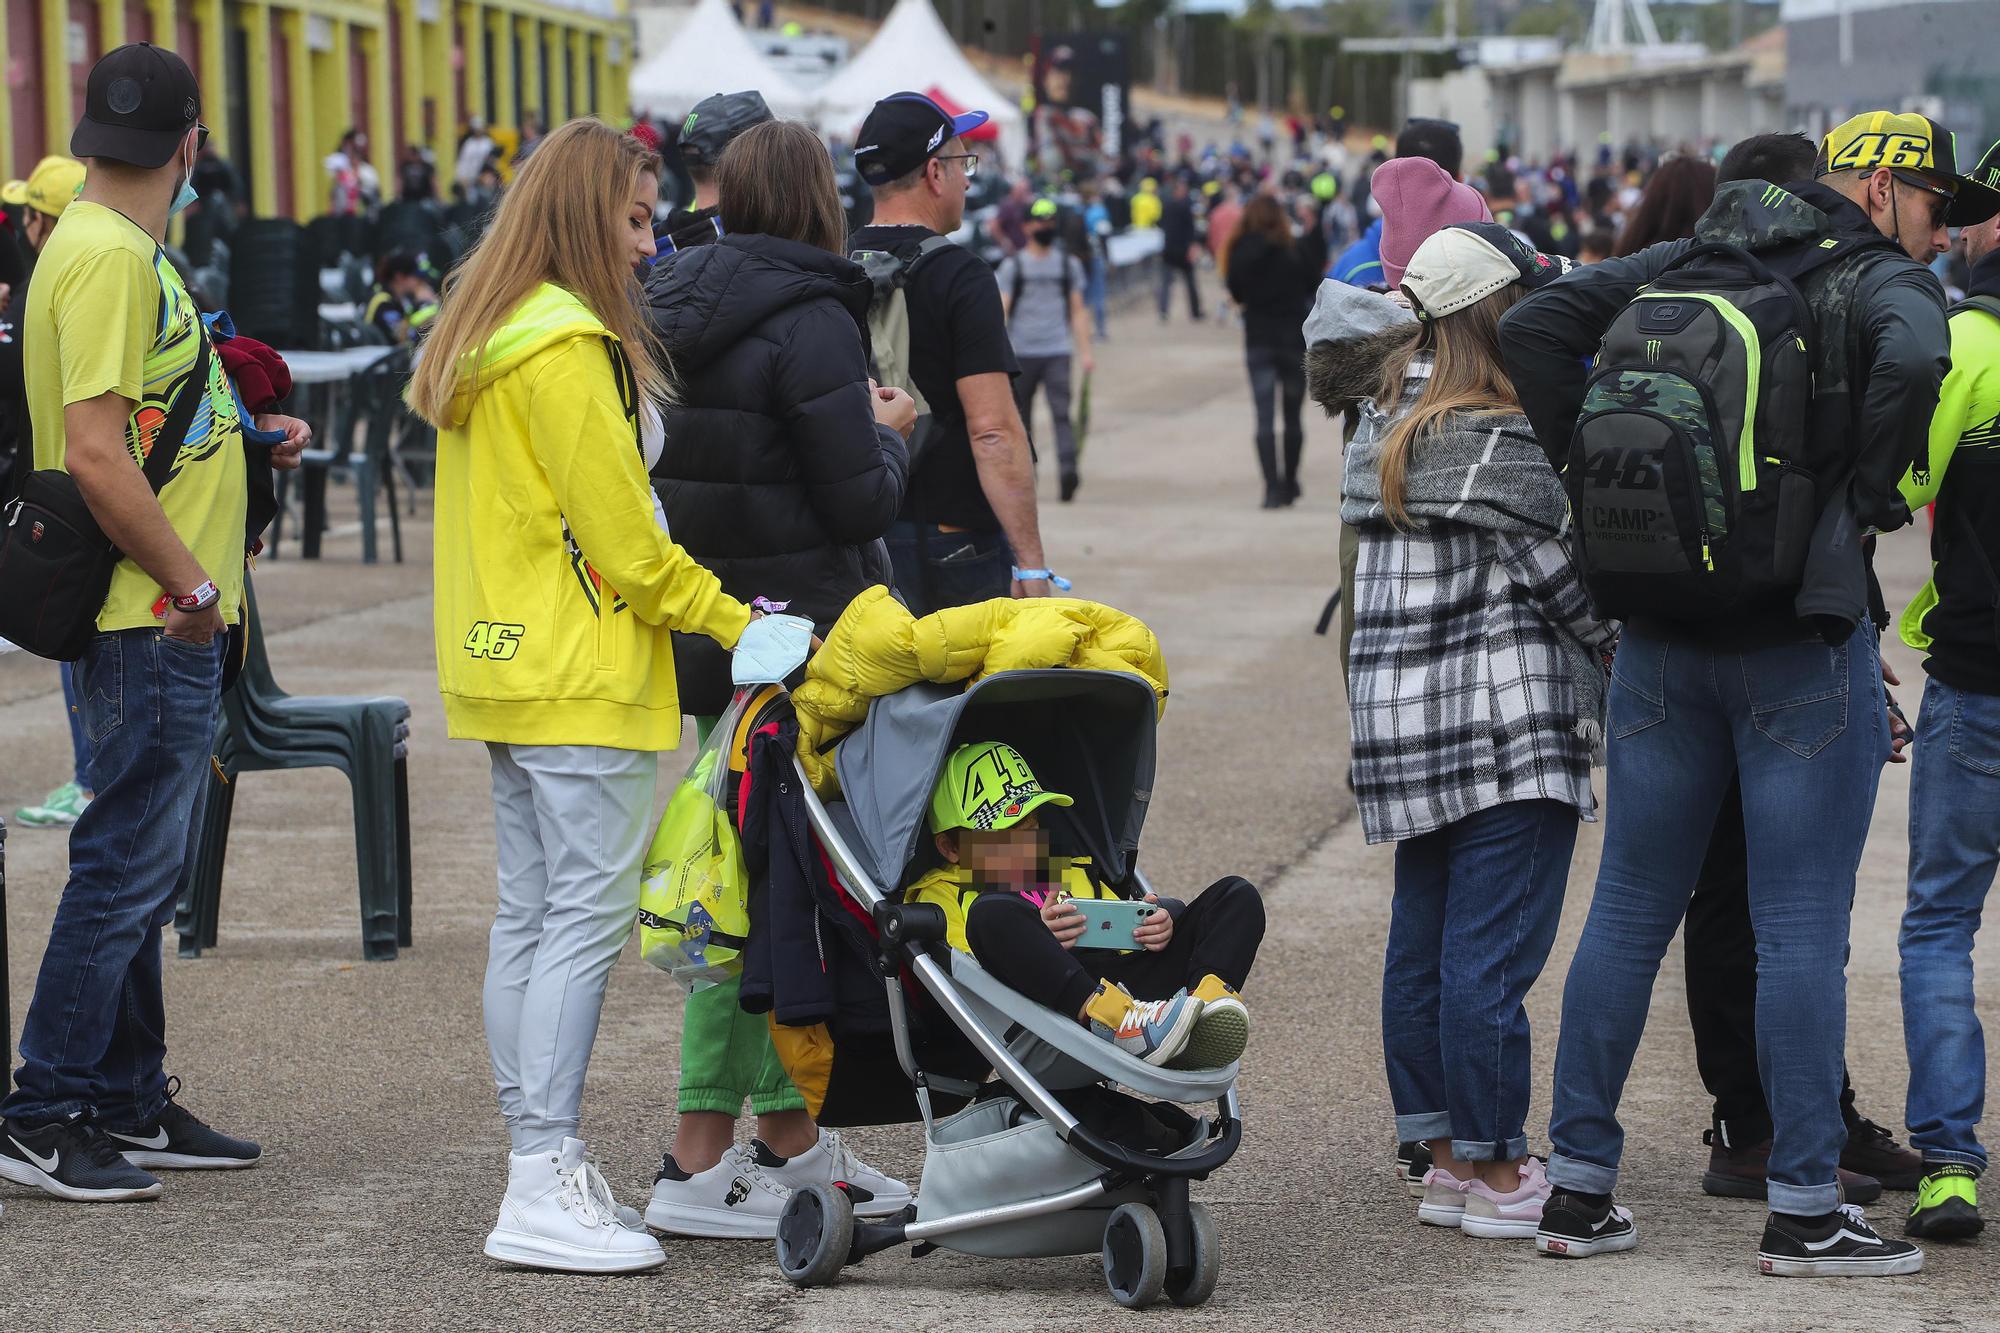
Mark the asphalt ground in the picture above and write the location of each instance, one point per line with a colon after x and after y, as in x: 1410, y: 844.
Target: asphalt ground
x: 369, y: 1086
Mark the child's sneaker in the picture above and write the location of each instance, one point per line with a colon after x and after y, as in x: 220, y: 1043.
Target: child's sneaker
x: 832, y: 1162
x: 1444, y: 1199
x: 1515, y: 1215
x: 1154, y: 1030
x: 733, y: 1198
x: 1222, y: 1031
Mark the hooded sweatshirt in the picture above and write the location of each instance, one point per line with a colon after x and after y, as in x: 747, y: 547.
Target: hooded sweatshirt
x: 1957, y: 615
x: 556, y: 590
x: 1880, y: 356
x: 775, y: 473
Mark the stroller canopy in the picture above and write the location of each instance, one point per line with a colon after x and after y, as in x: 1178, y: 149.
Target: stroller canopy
x: 1088, y: 734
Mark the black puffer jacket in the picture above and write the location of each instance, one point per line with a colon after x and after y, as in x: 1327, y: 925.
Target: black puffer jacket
x: 775, y: 474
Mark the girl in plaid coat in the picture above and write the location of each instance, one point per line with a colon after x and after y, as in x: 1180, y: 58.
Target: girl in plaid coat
x: 1476, y: 694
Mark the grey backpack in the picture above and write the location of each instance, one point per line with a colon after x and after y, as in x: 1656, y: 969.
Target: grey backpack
x: 889, y: 323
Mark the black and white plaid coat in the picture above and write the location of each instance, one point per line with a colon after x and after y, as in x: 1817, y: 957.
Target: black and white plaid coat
x: 1475, y: 677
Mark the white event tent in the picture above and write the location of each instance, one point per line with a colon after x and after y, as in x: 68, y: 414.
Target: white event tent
x: 912, y: 51
x: 709, y: 53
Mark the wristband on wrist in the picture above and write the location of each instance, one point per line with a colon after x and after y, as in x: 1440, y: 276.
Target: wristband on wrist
x: 204, y: 596
x: 1048, y: 576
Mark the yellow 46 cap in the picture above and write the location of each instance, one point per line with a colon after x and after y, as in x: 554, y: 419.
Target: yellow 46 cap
x: 987, y: 785
x: 1905, y: 141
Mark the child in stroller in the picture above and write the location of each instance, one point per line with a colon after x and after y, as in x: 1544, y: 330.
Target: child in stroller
x: 1175, y: 1001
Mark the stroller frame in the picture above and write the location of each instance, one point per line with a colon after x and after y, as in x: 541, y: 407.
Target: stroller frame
x: 818, y: 1234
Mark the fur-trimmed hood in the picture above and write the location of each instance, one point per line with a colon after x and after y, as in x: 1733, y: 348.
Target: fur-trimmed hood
x: 1349, y: 335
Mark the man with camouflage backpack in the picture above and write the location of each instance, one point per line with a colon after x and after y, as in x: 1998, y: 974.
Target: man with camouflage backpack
x: 1758, y: 394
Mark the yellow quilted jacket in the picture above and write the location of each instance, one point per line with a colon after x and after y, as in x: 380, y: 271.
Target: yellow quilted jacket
x: 877, y: 647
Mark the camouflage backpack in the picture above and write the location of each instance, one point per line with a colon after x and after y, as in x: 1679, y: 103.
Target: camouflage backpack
x: 1694, y: 476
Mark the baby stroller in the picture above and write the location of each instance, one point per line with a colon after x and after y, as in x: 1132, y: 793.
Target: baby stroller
x: 1049, y: 1158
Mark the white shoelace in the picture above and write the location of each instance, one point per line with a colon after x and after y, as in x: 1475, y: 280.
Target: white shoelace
x: 846, y: 1164
x: 1852, y: 1211
x: 586, y: 1195
x: 744, y: 1159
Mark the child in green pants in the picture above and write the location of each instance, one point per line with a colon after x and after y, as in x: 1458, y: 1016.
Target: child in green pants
x: 707, y: 1184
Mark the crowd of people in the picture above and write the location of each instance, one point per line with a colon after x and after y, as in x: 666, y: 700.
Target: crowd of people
x: 1619, y: 446
x: 1580, y: 535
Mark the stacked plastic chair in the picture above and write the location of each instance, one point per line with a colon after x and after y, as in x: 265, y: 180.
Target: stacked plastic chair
x: 264, y: 729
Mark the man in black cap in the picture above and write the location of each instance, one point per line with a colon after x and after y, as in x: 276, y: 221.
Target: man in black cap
x: 115, y: 348
x: 711, y: 127
x: 968, y: 531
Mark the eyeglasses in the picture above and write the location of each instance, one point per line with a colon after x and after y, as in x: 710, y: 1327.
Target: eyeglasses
x: 971, y: 161
x: 1940, y: 206
x: 200, y: 136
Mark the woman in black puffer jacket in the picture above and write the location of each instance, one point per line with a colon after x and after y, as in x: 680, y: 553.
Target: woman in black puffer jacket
x: 782, y: 466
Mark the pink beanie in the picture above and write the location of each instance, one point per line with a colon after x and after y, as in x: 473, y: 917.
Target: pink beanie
x: 1418, y: 198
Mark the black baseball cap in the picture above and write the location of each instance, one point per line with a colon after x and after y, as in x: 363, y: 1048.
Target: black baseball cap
x: 904, y: 131
x: 141, y: 102
x: 716, y: 121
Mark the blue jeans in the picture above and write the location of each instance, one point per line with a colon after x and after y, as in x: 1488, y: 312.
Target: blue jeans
x: 1475, y: 914
x: 95, y: 1035
x: 1804, y: 727
x: 1094, y: 298
x: 79, y: 739
x: 1954, y: 851
x: 936, y: 569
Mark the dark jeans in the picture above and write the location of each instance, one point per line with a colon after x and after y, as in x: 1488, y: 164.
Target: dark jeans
x: 79, y: 740
x: 1216, y: 933
x: 95, y: 1035
x: 1802, y: 724
x: 1051, y: 375
x: 938, y: 567
x: 1721, y: 952
x: 1169, y: 271
x: 1475, y: 913
x: 1273, y: 369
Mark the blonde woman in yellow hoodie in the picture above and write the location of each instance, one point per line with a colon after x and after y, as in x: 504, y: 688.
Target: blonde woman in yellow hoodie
x: 556, y: 596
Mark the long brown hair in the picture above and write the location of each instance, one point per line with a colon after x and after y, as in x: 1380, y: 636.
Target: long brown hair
x: 562, y: 222
x: 1466, y: 376
x: 1673, y: 201
x: 776, y: 179
x: 1264, y: 216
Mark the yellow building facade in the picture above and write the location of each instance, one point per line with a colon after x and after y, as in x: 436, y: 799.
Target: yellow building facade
x: 282, y: 80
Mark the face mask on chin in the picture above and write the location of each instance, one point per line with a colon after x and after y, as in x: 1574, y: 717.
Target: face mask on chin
x: 1043, y: 235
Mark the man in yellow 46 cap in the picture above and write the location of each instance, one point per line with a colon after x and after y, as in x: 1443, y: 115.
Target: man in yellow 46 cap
x: 1158, y: 979
x: 1902, y: 169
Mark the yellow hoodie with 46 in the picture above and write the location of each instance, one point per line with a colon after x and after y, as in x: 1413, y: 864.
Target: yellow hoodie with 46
x: 556, y: 590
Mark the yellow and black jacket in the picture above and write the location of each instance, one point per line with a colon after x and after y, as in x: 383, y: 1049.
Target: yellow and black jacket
x: 556, y: 590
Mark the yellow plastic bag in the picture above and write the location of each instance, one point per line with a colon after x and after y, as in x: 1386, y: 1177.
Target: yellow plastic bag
x: 694, y: 903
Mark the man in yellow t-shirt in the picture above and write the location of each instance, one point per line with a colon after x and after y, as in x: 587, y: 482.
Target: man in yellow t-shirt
x: 112, y: 341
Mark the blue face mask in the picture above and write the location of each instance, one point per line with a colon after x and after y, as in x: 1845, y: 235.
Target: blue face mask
x: 185, y: 195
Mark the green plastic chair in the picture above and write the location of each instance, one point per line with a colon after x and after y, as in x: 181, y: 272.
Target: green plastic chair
x: 264, y: 729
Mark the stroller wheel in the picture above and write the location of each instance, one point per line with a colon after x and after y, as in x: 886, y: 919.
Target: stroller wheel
x: 1196, y: 1284
x: 1135, y: 1255
x: 815, y: 1235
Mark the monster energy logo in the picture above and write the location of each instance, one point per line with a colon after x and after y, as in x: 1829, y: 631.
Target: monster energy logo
x: 1652, y: 349
x: 687, y: 126
x: 1772, y: 196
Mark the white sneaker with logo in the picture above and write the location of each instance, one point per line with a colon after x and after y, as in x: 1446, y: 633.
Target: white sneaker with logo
x: 1444, y: 1199
x: 832, y: 1162
x: 559, y: 1214
x: 735, y: 1198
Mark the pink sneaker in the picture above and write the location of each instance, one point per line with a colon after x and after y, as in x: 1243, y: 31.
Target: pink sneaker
x: 1516, y: 1215
x: 1444, y: 1199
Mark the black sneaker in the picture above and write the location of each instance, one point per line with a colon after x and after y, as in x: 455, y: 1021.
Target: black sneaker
x: 177, y: 1140
x: 1413, y: 1163
x: 1070, y: 482
x: 1836, y: 1244
x: 1575, y: 1228
x: 71, y: 1159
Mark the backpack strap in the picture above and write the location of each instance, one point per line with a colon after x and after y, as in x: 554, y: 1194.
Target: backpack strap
x: 173, y: 431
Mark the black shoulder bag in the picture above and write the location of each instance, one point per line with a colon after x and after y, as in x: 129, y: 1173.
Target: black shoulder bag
x: 55, y: 561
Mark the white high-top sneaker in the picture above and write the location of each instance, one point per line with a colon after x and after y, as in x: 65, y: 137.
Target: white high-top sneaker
x: 832, y: 1162
x: 558, y: 1213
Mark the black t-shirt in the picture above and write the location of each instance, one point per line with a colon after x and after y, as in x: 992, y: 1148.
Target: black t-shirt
x: 956, y: 329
